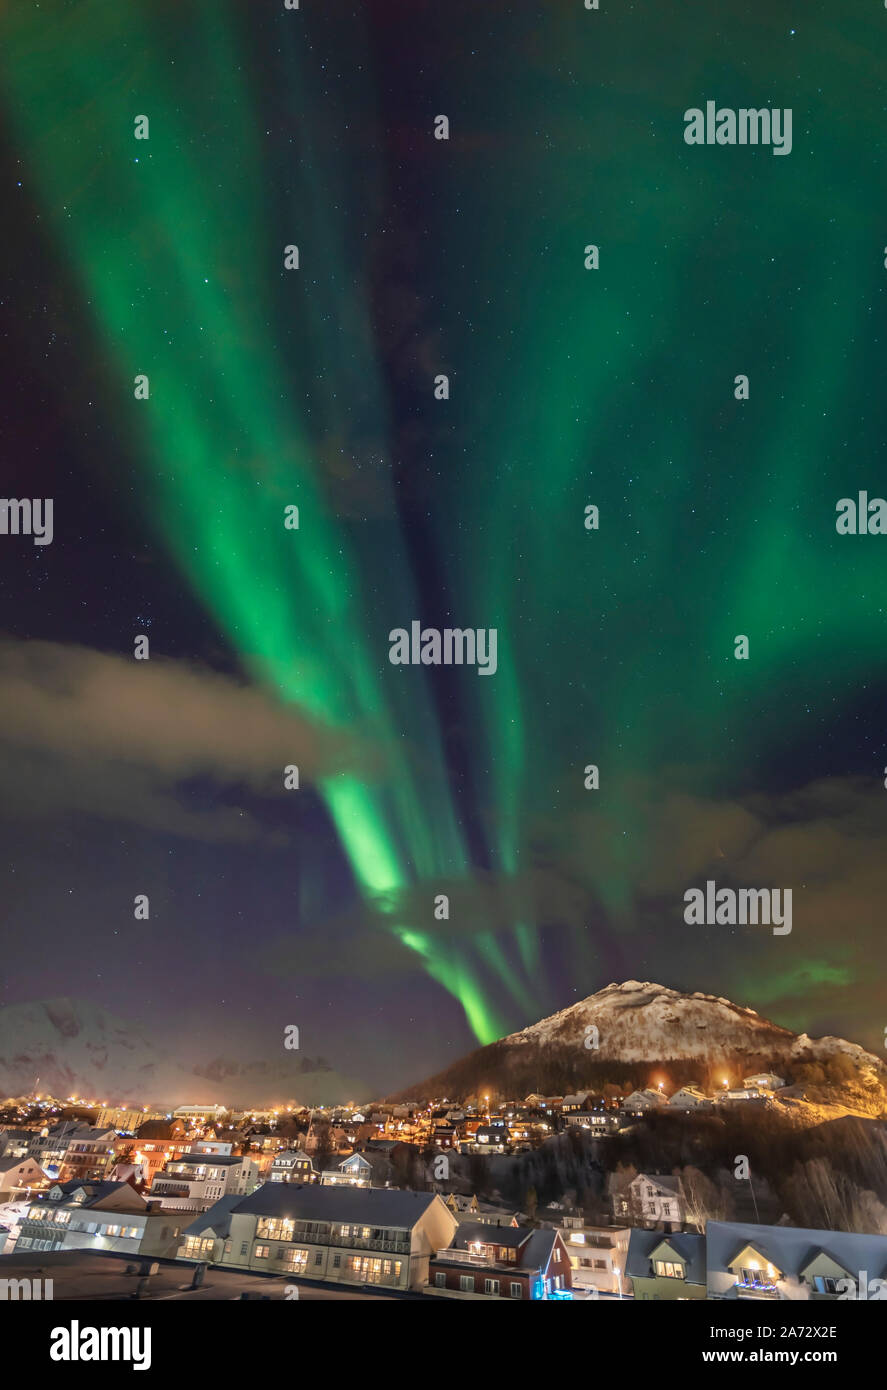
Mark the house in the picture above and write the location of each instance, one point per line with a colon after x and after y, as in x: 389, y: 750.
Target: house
x: 747, y: 1094
x: 459, y: 1204
x: 97, y: 1216
x: 651, y: 1200
x: 161, y: 1129
x: 207, y: 1237
x: 493, y: 1138
x: 444, y: 1136
x: 600, y: 1121
x: 340, y: 1235
x: 689, y: 1098
x: 199, y: 1114
x: 369, y: 1169
x: 87, y: 1151
x: 17, y: 1175
x: 597, y: 1255
x: 196, y: 1180
x: 88, y: 1155
x: 764, y: 1263
x: 763, y: 1081
x: 152, y: 1154
x: 640, y: 1102
x: 14, y: 1142
x: 576, y: 1102
x: 291, y: 1165
x: 666, y: 1266
x: 511, y: 1262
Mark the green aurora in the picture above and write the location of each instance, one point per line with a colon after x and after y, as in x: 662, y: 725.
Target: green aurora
x: 569, y: 387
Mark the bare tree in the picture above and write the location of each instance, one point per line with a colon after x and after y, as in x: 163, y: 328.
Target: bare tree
x: 703, y: 1199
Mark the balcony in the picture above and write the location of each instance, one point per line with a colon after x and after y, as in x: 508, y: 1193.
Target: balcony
x: 392, y: 1247
x: 472, y: 1258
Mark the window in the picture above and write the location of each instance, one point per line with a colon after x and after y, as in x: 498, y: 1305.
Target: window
x: 517, y: 1289
x: 318, y: 1258
x: 667, y: 1270
x: 274, y: 1229
x: 244, y: 1247
x: 296, y: 1261
x: 366, y: 1267
x: 466, y: 1283
x: 262, y: 1252
x: 337, y: 1260
x: 823, y: 1283
x: 440, y: 1279
x: 491, y: 1286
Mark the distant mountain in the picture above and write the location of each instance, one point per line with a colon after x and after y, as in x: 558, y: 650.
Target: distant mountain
x: 623, y: 1032
x: 79, y: 1049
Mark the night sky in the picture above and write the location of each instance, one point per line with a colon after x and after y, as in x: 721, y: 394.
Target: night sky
x: 314, y: 387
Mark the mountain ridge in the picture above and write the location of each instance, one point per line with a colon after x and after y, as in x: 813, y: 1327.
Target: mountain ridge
x: 637, y: 1025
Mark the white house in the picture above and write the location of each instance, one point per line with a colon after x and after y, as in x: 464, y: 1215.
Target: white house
x: 97, y: 1216
x: 689, y: 1098
x: 17, y: 1175
x: 598, y: 1256
x: 200, y: 1113
x: 652, y: 1200
x: 354, y: 1171
x: 640, y: 1101
x: 195, y: 1181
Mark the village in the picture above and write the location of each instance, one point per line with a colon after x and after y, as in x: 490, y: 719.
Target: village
x: 380, y: 1198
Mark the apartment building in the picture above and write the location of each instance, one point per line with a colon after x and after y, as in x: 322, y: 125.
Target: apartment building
x: 196, y: 1180
x: 98, y: 1216
x: 357, y: 1235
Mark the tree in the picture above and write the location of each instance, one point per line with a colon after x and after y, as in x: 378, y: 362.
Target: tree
x: 703, y: 1199
x: 323, y: 1143
x: 531, y: 1202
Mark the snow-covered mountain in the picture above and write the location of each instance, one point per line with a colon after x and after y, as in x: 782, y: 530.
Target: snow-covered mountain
x: 79, y: 1049
x: 638, y: 1023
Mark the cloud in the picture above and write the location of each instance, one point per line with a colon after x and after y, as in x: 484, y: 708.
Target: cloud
x: 93, y: 733
x: 825, y: 841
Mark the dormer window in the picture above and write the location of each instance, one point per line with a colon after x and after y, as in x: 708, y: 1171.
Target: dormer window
x: 823, y: 1283
x: 668, y: 1269
x: 755, y: 1276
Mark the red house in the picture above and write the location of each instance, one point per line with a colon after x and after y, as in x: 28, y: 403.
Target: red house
x: 513, y: 1262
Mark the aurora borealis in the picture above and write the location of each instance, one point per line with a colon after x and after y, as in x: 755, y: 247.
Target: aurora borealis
x: 567, y: 387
